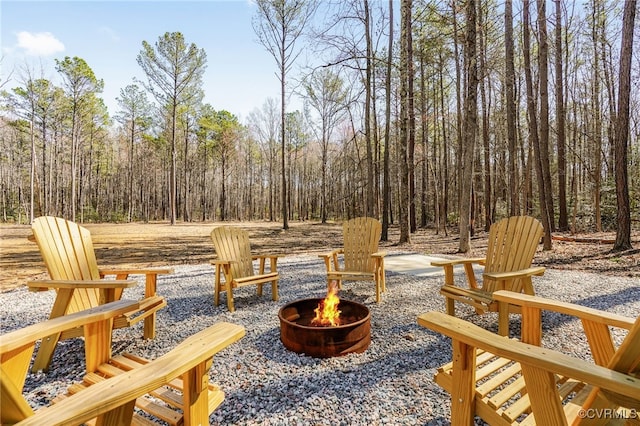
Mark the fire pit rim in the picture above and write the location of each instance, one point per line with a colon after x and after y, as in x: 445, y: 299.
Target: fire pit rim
x: 318, y: 299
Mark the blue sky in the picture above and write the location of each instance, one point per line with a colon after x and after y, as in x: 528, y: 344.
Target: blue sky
x: 108, y: 35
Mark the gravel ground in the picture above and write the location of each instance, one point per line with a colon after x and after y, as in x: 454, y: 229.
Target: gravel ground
x: 265, y: 384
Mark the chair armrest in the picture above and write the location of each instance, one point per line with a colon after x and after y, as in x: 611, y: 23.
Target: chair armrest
x: 40, y: 285
x: 531, y: 355
x: 163, y: 271
x: 499, y: 276
x: 27, y: 335
x: 222, y: 262
x: 468, y: 268
x: 332, y: 253
x: 453, y: 262
x: 572, y: 309
x: 266, y: 256
x: 273, y: 262
x: 331, y: 259
x: 379, y: 254
x: 120, y: 390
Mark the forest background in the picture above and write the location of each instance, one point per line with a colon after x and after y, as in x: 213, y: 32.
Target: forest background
x: 453, y: 114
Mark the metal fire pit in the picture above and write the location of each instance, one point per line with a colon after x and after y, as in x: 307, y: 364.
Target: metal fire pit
x: 297, y: 335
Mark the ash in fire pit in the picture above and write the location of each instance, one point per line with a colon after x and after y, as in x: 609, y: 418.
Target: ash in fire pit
x: 302, y: 332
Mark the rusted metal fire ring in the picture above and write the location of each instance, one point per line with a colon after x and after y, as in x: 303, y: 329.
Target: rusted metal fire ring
x: 354, y: 336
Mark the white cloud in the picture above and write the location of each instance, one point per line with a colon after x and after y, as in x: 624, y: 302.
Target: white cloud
x: 39, y: 44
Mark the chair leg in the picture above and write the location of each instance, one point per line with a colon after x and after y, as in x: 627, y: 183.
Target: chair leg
x: 45, y: 353
x: 48, y: 345
x: 196, y: 394
x: 451, y: 307
x: 149, y: 330
x: 230, y: 298
x: 463, y: 392
x: 503, y: 319
x: 216, y: 289
x: 274, y: 290
x: 260, y: 290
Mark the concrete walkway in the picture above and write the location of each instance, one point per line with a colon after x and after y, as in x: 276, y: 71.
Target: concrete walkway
x: 412, y: 264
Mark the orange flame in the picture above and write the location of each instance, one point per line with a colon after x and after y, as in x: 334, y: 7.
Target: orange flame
x: 327, y: 313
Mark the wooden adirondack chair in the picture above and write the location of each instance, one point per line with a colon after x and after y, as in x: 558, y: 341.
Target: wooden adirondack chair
x: 359, y: 259
x: 67, y: 251
x: 510, y: 382
x: 507, y: 266
x: 174, y: 389
x: 235, y: 261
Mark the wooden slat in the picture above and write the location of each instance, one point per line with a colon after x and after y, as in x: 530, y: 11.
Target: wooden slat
x: 496, y: 381
x: 104, y: 397
x: 507, y: 392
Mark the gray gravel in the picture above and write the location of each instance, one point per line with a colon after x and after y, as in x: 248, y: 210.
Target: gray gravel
x: 265, y: 384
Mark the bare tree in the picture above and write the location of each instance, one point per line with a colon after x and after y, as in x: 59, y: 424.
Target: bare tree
x: 80, y: 83
x: 264, y: 123
x: 135, y: 116
x: 623, y: 232
x: 33, y: 103
x: 278, y: 25
x: 328, y: 97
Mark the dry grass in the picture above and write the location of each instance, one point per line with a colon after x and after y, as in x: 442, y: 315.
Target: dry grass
x: 161, y: 244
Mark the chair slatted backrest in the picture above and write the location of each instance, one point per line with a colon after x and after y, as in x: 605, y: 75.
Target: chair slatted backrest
x: 361, y: 238
x: 512, y: 244
x: 233, y: 244
x: 67, y: 251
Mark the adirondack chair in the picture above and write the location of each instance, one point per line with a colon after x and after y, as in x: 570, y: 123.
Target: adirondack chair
x: 507, y: 266
x: 173, y: 389
x: 509, y: 382
x: 67, y: 251
x: 359, y: 259
x: 234, y: 262
x: 17, y: 347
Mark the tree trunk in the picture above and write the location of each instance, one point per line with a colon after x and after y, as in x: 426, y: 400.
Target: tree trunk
x: 411, y: 133
x: 597, y: 123
x: 510, y: 81
x: 367, y: 114
x: 486, y: 113
x: 470, y: 124
x: 543, y: 84
x: 386, y: 190
x: 285, y: 210
x: 403, y: 201
x: 533, y: 127
x: 563, y: 223
x: 623, y: 233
